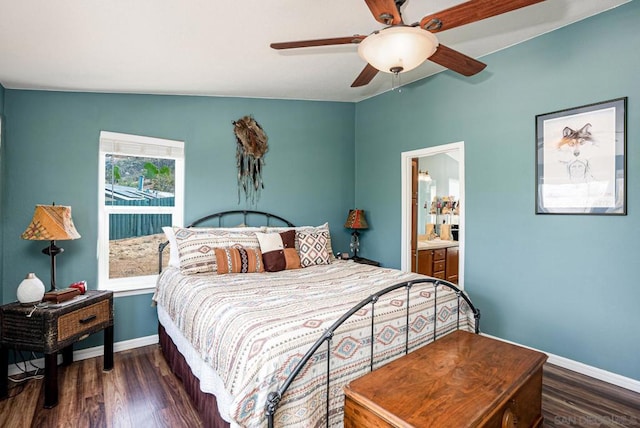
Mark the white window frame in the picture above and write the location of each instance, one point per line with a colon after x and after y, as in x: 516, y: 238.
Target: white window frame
x: 134, y: 145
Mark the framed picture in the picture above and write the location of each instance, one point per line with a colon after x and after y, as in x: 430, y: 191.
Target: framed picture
x: 581, y: 160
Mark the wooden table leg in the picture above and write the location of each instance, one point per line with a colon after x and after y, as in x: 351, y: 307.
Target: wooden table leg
x: 108, y: 348
x: 67, y: 355
x: 4, y: 372
x: 50, y: 380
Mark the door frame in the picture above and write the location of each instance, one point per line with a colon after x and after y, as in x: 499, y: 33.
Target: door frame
x: 405, y: 241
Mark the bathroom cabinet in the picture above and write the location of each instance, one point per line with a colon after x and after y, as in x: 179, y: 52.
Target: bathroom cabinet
x: 439, y: 262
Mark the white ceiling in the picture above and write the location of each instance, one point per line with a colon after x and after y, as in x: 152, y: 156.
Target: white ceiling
x: 221, y: 48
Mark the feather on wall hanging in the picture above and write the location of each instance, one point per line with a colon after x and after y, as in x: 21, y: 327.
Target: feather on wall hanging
x: 250, y: 150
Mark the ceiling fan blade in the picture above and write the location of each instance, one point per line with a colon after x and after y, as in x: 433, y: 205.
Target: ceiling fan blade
x: 319, y: 42
x: 385, y: 11
x: 470, y: 11
x: 456, y: 61
x: 365, y: 76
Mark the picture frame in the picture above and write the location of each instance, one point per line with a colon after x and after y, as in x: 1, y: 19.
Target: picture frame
x: 581, y: 159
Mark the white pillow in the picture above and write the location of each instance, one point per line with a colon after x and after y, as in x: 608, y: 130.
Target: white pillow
x: 174, y: 255
x: 196, y: 245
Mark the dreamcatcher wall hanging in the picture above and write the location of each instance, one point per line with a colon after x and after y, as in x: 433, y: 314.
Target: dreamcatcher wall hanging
x: 250, y: 150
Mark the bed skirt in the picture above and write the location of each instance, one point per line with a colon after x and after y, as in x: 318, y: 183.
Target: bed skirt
x: 205, y: 404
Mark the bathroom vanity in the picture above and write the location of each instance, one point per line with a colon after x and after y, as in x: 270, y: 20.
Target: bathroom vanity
x: 437, y: 258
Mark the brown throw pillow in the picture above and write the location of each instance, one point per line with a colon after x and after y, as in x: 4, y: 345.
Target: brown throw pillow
x: 290, y: 253
x: 278, y: 251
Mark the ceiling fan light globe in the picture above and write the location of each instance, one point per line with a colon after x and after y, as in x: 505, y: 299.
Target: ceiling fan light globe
x: 398, y: 47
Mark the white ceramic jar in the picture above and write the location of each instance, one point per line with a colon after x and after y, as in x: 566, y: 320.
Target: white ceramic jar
x: 31, y: 290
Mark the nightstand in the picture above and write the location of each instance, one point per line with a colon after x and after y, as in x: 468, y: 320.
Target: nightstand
x: 365, y: 261
x: 52, y: 330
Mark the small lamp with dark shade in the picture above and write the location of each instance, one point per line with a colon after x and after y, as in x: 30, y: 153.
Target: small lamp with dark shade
x: 51, y: 223
x: 356, y: 220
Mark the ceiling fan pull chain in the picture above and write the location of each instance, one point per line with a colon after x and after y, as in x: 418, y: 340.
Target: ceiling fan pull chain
x: 395, y: 78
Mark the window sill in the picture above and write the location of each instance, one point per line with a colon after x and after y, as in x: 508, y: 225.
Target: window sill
x: 123, y: 287
x: 125, y: 293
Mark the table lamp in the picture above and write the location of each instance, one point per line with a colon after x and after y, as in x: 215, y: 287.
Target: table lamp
x: 51, y: 223
x: 356, y: 221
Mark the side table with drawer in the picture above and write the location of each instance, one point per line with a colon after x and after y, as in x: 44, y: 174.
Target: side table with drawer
x: 52, y: 330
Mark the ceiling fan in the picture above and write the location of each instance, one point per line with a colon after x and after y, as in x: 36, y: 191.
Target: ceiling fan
x: 400, y: 47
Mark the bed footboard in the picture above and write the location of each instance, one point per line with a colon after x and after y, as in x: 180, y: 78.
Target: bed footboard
x: 274, y: 397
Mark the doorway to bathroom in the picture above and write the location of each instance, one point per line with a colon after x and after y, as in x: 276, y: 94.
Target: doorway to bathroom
x: 432, y: 229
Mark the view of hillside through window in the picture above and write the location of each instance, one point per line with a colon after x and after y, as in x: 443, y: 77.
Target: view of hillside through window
x: 139, y: 191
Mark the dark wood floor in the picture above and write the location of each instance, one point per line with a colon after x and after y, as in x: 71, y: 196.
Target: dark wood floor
x: 141, y: 392
x: 572, y: 399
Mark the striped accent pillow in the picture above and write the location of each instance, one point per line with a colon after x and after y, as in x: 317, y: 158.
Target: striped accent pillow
x: 238, y: 260
x: 196, y: 248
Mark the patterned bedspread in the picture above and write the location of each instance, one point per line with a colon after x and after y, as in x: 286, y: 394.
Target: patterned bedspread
x: 253, y: 328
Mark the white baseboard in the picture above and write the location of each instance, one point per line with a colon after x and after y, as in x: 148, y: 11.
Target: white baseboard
x: 96, y: 351
x: 576, y: 366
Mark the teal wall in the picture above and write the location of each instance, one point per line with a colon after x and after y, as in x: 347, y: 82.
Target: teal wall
x: 567, y: 285
x: 52, y: 156
x: 2, y: 132
x: 563, y: 284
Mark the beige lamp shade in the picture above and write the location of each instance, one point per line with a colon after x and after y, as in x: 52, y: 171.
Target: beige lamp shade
x: 51, y: 223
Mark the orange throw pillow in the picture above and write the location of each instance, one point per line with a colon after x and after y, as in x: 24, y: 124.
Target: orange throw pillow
x: 238, y: 260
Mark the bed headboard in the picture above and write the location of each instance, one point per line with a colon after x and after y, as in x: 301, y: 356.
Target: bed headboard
x: 234, y: 218
x: 246, y: 215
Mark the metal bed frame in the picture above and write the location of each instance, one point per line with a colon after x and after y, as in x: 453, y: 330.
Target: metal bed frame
x: 274, y: 398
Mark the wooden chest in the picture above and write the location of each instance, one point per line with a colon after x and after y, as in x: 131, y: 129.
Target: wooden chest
x: 460, y: 380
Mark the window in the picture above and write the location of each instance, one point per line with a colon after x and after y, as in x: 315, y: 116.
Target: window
x: 141, y: 189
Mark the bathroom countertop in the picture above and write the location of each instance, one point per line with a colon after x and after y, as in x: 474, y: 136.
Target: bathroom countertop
x: 435, y: 244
